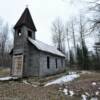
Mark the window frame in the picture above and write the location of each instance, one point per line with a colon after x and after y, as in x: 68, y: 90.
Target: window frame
x: 29, y: 33
x: 48, y: 62
x: 56, y: 61
x: 19, y: 32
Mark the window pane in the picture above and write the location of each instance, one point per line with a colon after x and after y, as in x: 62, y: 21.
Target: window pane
x: 56, y: 62
x: 30, y: 34
x: 48, y: 62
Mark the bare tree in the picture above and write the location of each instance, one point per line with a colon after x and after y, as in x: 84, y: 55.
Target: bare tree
x: 71, y: 35
x: 4, y: 37
x: 94, y: 11
x: 58, y: 35
x: 9, y: 43
x: 83, y: 31
x: 72, y: 27
x: 68, y: 40
x: 4, y: 32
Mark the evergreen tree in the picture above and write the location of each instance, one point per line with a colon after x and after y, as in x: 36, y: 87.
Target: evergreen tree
x: 82, y: 57
x: 79, y: 57
x: 85, y: 57
x: 71, y: 58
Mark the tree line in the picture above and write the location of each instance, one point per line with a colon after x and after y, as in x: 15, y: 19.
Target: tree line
x: 73, y: 35
x: 5, y: 44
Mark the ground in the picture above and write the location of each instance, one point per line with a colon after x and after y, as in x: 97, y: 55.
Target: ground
x: 88, y: 84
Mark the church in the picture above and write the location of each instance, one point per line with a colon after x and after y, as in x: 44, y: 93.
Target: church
x: 31, y: 57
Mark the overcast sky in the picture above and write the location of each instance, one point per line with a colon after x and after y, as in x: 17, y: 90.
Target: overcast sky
x: 43, y: 13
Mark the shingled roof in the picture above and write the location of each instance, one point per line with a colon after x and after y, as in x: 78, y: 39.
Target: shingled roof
x: 45, y: 47
x: 26, y: 19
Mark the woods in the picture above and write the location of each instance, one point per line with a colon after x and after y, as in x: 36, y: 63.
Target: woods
x: 76, y: 32
x: 5, y: 45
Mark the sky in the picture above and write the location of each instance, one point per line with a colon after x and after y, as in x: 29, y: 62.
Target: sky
x: 43, y: 12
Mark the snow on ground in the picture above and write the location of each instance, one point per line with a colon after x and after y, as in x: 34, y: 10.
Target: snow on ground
x: 71, y: 93
x: 25, y: 82
x: 65, y: 91
x: 94, y: 98
x: 94, y: 83
x: 7, y: 78
x: 84, y: 97
x: 62, y: 80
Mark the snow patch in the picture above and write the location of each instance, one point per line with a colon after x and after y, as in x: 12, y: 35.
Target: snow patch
x: 86, y: 72
x: 70, y: 73
x: 65, y: 91
x: 7, y: 78
x: 97, y: 93
x: 84, y: 97
x: 87, y: 93
x: 71, y: 93
x: 94, y: 98
x: 94, y: 83
x: 99, y: 88
x: 34, y: 85
x: 25, y: 82
x: 62, y: 80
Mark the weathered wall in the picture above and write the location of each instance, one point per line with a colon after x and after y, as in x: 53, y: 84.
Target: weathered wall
x: 29, y: 52
x: 52, y: 70
x: 35, y: 61
x: 32, y: 61
x: 31, y: 57
x: 18, y: 44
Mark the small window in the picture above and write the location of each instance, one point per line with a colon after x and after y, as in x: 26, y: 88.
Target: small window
x: 56, y: 63
x: 19, y: 32
x: 29, y: 34
x: 48, y: 62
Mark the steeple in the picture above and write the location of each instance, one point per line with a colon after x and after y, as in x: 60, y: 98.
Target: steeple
x: 26, y: 20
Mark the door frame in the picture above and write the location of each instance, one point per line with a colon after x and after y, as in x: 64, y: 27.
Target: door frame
x: 14, y: 70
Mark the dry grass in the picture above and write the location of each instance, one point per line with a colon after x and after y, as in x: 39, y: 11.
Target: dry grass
x: 17, y: 90
x: 84, y: 84
x: 20, y: 91
x: 4, y: 72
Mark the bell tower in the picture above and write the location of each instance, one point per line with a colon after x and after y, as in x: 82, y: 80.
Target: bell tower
x: 24, y: 28
x: 26, y: 20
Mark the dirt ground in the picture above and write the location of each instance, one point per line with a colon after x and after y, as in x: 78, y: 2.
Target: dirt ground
x: 88, y: 82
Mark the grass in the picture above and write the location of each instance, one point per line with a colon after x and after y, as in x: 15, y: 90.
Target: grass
x: 17, y: 90
x: 20, y: 91
x: 89, y: 76
x: 4, y: 72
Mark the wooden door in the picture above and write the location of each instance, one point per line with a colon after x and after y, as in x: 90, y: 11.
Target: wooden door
x: 18, y: 65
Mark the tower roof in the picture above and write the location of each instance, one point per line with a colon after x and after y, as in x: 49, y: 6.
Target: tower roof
x: 26, y: 19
